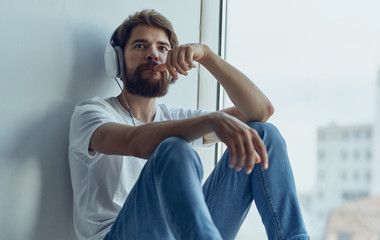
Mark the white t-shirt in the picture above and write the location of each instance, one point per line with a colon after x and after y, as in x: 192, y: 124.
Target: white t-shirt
x: 101, y: 183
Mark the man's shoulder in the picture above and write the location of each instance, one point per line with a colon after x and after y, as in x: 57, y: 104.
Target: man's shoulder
x: 95, y: 105
x: 95, y: 101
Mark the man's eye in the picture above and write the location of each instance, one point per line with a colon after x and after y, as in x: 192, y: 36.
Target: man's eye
x: 163, y: 48
x: 139, y: 46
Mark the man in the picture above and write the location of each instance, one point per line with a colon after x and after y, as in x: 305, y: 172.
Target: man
x: 136, y: 176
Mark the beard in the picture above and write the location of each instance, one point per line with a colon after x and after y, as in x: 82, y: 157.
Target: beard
x: 138, y: 85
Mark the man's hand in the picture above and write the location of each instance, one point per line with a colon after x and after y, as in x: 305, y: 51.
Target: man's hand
x: 244, y: 144
x: 181, y: 59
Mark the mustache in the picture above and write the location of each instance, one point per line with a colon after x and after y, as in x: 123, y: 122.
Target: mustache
x: 148, y: 65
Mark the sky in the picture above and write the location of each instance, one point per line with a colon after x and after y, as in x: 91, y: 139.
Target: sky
x: 316, y: 60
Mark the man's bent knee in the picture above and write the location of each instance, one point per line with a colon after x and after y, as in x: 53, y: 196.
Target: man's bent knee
x: 270, y: 135
x: 265, y: 128
x: 176, y: 153
x: 175, y: 149
x: 173, y: 144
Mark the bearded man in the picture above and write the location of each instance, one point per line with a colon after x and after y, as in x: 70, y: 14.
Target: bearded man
x: 134, y: 172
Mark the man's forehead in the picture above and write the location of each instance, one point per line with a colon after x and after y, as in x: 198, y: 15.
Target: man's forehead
x: 144, y: 33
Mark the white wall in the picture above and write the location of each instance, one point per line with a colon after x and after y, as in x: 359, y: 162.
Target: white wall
x: 51, y: 57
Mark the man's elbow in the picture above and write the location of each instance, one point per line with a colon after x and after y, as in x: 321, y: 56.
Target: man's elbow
x: 137, y: 147
x: 268, y: 112
x: 140, y: 152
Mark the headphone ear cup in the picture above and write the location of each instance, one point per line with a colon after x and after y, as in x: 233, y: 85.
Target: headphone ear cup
x: 121, y: 62
x: 111, y: 61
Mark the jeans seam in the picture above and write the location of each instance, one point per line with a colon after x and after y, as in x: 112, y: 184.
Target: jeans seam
x: 217, y: 186
x: 274, y: 215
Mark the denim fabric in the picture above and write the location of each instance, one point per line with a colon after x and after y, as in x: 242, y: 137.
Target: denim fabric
x: 168, y: 201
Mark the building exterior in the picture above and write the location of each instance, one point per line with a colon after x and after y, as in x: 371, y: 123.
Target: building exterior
x: 359, y: 220
x: 344, y: 168
x: 348, y: 175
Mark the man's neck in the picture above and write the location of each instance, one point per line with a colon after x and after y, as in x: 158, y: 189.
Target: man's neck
x: 143, y: 109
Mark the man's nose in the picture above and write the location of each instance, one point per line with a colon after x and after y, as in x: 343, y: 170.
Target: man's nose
x: 152, y: 55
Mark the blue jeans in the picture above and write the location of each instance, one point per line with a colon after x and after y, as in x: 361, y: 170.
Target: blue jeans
x: 168, y: 201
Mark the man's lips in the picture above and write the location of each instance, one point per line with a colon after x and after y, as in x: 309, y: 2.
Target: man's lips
x: 148, y: 69
x: 155, y: 67
x: 159, y: 67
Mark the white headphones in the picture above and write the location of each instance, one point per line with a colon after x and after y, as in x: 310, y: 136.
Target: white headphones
x: 114, y: 58
x: 115, y: 66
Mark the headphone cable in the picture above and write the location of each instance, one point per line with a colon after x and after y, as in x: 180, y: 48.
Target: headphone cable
x: 126, y: 103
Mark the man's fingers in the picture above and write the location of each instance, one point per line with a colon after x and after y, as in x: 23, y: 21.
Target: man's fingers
x: 174, y: 60
x: 249, y: 149
x: 261, y: 150
x: 191, y: 63
x: 160, y: 68
x: 241, y: 154
x: 232, y: 151
x: 169, y: 65
x: 180, y: 60
x: 190, y: 58
x: 251, y: 157
x: 245, y: 146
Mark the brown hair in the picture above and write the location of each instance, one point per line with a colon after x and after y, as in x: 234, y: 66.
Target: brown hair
x: 146, y: 17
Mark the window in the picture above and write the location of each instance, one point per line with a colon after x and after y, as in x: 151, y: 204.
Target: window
x: 344, y: 236
x: 321, y: 194
x: 321, y: 176
x: 355, y: 175
x: 353, y: 195
x: 368, y: 176
x: 321, y: 155
x: 343, y: 176
x: 343, y: 155
x: 369, y: 155
x: 356, y: 155
x: 307, y: 58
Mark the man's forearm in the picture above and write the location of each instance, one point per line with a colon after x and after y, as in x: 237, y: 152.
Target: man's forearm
x: 244, y: 94
x: 148, y: 136
x: 141, y: 141
x: 244, y: 143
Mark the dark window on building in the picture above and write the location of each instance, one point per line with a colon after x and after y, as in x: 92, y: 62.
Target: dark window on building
x: 368, y: 176
x: 321, y: 176
x: 355, y: 175
x: 321, y: 194
x: 356, y: 155
x: 321, y: 155
x: 344, y: 236
x: 354, y: 195
x: 343, y: 176
x: 369, y: 155
x: 343, y: 155
x: 369, y: 133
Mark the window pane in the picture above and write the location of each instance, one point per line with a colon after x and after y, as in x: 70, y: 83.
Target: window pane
x: 318, y: 62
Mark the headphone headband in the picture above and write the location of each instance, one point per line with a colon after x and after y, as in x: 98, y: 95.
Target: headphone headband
x: 114, y: 40
x: 114, y: 58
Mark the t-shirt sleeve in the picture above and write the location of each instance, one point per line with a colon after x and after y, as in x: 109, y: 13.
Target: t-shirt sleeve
x: 86, y: 118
